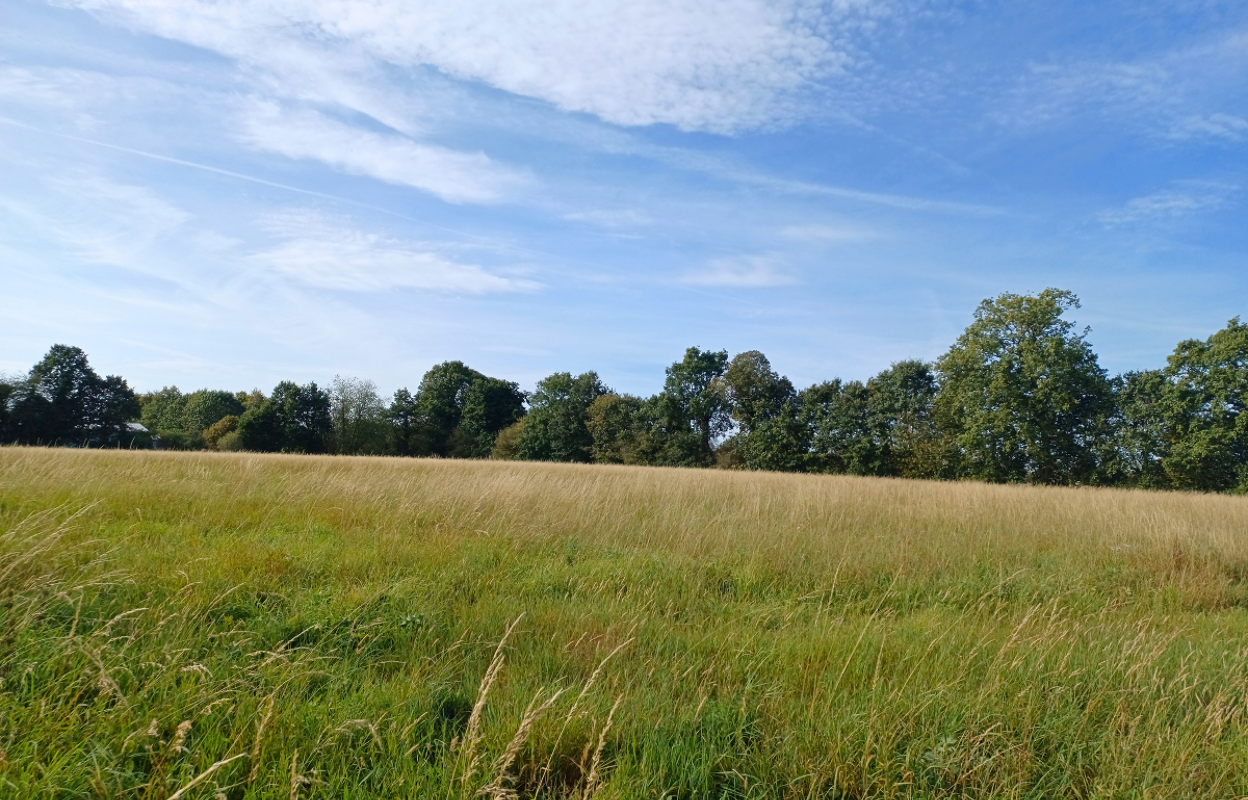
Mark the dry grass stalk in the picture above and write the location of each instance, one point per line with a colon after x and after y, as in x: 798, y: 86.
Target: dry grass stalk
x: 593, y: 779
x: 472, y: 734
x: 294, y: 775
x: 179, y: 736
x: 589, y: 684
x: 495, y: 788
x: 255, y: 748
x: 27, y: 546
x: 108, y: 686
x: 203, y: 776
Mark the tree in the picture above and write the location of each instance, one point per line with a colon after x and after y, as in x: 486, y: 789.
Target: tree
x: 206, y: 406
x: 304, y: 415
x: 1023, y: 395
x: 771, y: 434
x: 624, y: 430
x: 64, y: 401
x: 756, y: 392
x: 1203, y: 417
x: 250, y: 399
x: 358, y: 417
x: 260, y: 429
x: 693, y: 408
x: 844, y: 433
x: 8, y: 387
x: 489, y: 406
x: 555, y: 428
x: 778, y: 442
x: 900, y: 405
x: 408, y: 434
x: 295, y: 419
x: 162, y: 411
x: 440, y: 402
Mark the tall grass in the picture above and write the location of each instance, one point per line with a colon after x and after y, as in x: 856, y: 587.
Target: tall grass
x: 241, y: 626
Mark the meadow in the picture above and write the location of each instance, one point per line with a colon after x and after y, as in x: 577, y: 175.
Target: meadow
x: 220, y: 625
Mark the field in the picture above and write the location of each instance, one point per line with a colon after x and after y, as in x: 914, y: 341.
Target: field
x: 241, y: 626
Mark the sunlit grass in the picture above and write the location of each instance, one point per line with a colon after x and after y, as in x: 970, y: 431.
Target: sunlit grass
x: 330, y: 624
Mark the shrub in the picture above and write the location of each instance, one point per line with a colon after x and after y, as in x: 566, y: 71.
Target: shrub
x: 218, y: 429
x: 230, y: 443
x: 506, y: 444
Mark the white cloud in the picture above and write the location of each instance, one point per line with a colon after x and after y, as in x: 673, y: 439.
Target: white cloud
x: 1055, y: 92
x: 81, y: 96
x: 1183, y: 199
x: 1218, y: 127
x: 102, y: 221
x: 743, y: 272
x: 57, y: 88
x: 716, y: 65
x: 319, y: 252
x: 454, y: 176
x: 1178, y: 94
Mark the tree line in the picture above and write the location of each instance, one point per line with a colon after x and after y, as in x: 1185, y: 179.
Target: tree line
x: 1019, y: 398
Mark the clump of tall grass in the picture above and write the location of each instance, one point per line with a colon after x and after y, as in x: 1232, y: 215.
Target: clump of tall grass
x: 228, y: 625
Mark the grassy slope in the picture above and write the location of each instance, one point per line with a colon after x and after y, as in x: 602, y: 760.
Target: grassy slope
x: 327, y: 622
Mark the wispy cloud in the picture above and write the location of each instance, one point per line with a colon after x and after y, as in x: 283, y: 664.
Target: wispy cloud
x: 328, y: 254
x: 1182, y: 93
x: 612, y: 218
x: 830, y: 233
x: 1216, y: 127
x: 1057, y: 92
x: 744, y: 272
x: 454, y: 176
x: 44, y: 88
x: 100, y: 221
x: 716, y: 65
x: 1183, y: 199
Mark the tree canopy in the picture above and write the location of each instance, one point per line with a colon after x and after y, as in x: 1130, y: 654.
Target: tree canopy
x: 556, y: 427
x: 1022, y: 393
x: 1020, y: 397
x: 64, y: 401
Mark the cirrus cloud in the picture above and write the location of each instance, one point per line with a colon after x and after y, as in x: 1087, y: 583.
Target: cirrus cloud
x: 713, y: 65
x: 327, y: 254
x: 454, y: 176
x: 1182, y: 199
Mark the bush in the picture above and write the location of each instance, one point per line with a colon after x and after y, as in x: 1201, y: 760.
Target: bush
x: 218, y: 429
x: 181, y: 440
x: 507, y: 443
x: 230, y: 443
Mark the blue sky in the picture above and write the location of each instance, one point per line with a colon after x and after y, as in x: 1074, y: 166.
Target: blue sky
x: 232, y: 193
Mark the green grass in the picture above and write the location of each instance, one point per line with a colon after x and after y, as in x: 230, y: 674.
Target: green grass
x: 327, y: 623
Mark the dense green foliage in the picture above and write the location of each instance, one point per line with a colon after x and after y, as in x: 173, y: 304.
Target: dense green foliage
x: 1019, y: 398
x: 490, y: 405
x: 295, y: 419
x: 556, y: 428
x: 1022, y: 395
x: 63, y: 401
x: 315, y: 627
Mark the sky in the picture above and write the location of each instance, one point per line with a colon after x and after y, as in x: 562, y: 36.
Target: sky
x: 232, y: 193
